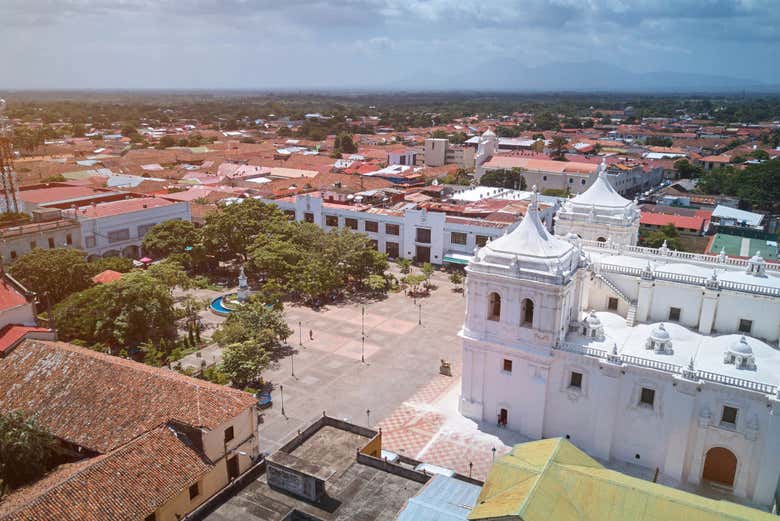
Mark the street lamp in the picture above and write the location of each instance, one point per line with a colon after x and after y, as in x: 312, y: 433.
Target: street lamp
x: 368, y: 417
x: 363, y: 322
x: 494, y: 454
x: 281, y: 390
x: 300, y: 333
x: 419, y: 319
x: 363, y: 349
x: 471, y: 465
x: 292, y: 362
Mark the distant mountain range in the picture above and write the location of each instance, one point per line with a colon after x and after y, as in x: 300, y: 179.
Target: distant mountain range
x: 512, y: 75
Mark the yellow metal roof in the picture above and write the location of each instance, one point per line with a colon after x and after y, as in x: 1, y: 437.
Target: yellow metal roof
x: 552, y: 479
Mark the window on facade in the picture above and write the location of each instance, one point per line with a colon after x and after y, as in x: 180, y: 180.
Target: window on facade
x: 527, y: 312
x: 144, y: 229
x: 674, y: 314
x: 391, y: 248
x: 507, y: 365
x: 374, y: 244
x: 544, y: 178
x: 51, y: 243
x: 308, y: 217
x: 745, y: 325
x: 424, y: 235
x: 351, y: 223
x: 119, y: 235
x: 290, y: 214
x: 229, y: 434
x: 571, y: 180
x: 494, y: 307
x: 69, y: 239
x: 33, y: 245
x: 13, y: 254
x: 392, y: 229
x: 481, y: 240
x: 371, y: 226
x: 575, y: 380
x: 647, y: 397
x: 583, y: 181
x: 458, y: 238
x: 194, y: 490
x: 89, y: 241
x: 612, y: 304
x: 331, y: 220
x: 729, y: 415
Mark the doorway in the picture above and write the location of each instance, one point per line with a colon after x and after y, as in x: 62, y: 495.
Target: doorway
x: 503, y: 417
x: 423, y: 254
x: 232, y: 468
x: 720, y: 466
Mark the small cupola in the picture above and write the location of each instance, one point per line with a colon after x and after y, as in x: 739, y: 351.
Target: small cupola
x: 660, y: 341
x: 756, y: 265
x: 592, y: 327
x: 740, y: 354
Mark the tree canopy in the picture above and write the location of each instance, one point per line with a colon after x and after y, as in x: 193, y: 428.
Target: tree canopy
x: 170, y: 237
x: 504, y: 178
x: 123, y: 314
x: 666, y: 233
x: 229, y: 232
x: 58, y: 272
x: 756, y: 184
x: 25, y: 450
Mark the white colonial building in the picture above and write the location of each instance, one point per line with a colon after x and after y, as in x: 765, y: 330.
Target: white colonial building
x: 662, y: 359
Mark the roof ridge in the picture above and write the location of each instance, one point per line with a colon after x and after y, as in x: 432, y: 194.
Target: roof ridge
x: 539, y: 475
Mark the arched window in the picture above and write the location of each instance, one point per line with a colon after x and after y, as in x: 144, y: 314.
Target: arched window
x: 527, y: 312
x: 494, y: 307
x: 601, y: 239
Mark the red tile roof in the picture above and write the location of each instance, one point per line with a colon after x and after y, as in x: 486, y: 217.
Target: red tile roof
x: 57, y: 193
x: 11, y: 334
x: 10, y: 297
x: 104, y: 277
x: 128, y: 483
x: 100, y: 402
x: 121, y: 207
x: 679, y: 221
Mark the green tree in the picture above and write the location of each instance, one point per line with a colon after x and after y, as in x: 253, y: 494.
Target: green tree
x: 230, y: 232
x: 123, y: 314
x: 504, y: 178
x: 405, y: 265
x: 345, y: 144
x: 165, y: 142
x: 685, y: 169
x: 244, y: 362
x: 666, y: 233
x: 558, y: 148
x: 456, y: 278
x: 414, y: 280
x: 254, y: 320
x: 427, y: 270
x: 120, y: 264
x: 171, y: 274
x: 58, y: 272
x: 26, y: 450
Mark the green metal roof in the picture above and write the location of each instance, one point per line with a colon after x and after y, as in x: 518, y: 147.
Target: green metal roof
x: 552, y: 479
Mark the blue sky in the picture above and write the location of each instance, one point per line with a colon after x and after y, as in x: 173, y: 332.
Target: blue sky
x: 311, y: 44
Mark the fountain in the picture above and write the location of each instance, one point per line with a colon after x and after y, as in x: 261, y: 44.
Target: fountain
x: 225, y: 304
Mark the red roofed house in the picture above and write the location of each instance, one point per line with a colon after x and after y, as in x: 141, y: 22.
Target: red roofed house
x: 117, y: 228
x: 138, y: 442
x: 690, y: 225
x: 17, y: 315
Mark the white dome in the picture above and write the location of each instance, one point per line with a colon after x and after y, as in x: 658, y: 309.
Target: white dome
x: 601, y: 194
x: 741, y: 346
x: 529, y: 248
x: 659, y: 333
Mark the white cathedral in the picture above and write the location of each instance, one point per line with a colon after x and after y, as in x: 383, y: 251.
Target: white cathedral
x: 650, y: 356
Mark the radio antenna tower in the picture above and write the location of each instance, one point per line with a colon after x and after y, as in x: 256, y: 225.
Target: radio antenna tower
x: 8, y: 184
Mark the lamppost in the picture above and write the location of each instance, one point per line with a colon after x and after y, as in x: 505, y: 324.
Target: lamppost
x: 281, y: 390
x: 363, y: 322
x: 494, y: 454
x: 300, y: 333
x: 368, y: 417
x: 419, y: 318
x: 292, y: 362
x: 363, y: 349
x: 471, y: 465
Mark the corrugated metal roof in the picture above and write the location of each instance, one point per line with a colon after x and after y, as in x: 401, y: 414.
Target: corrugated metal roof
x: 442, y: 499
x: 553, y: 480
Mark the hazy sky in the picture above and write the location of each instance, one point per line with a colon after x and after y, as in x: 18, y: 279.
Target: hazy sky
x: 309, y: 44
